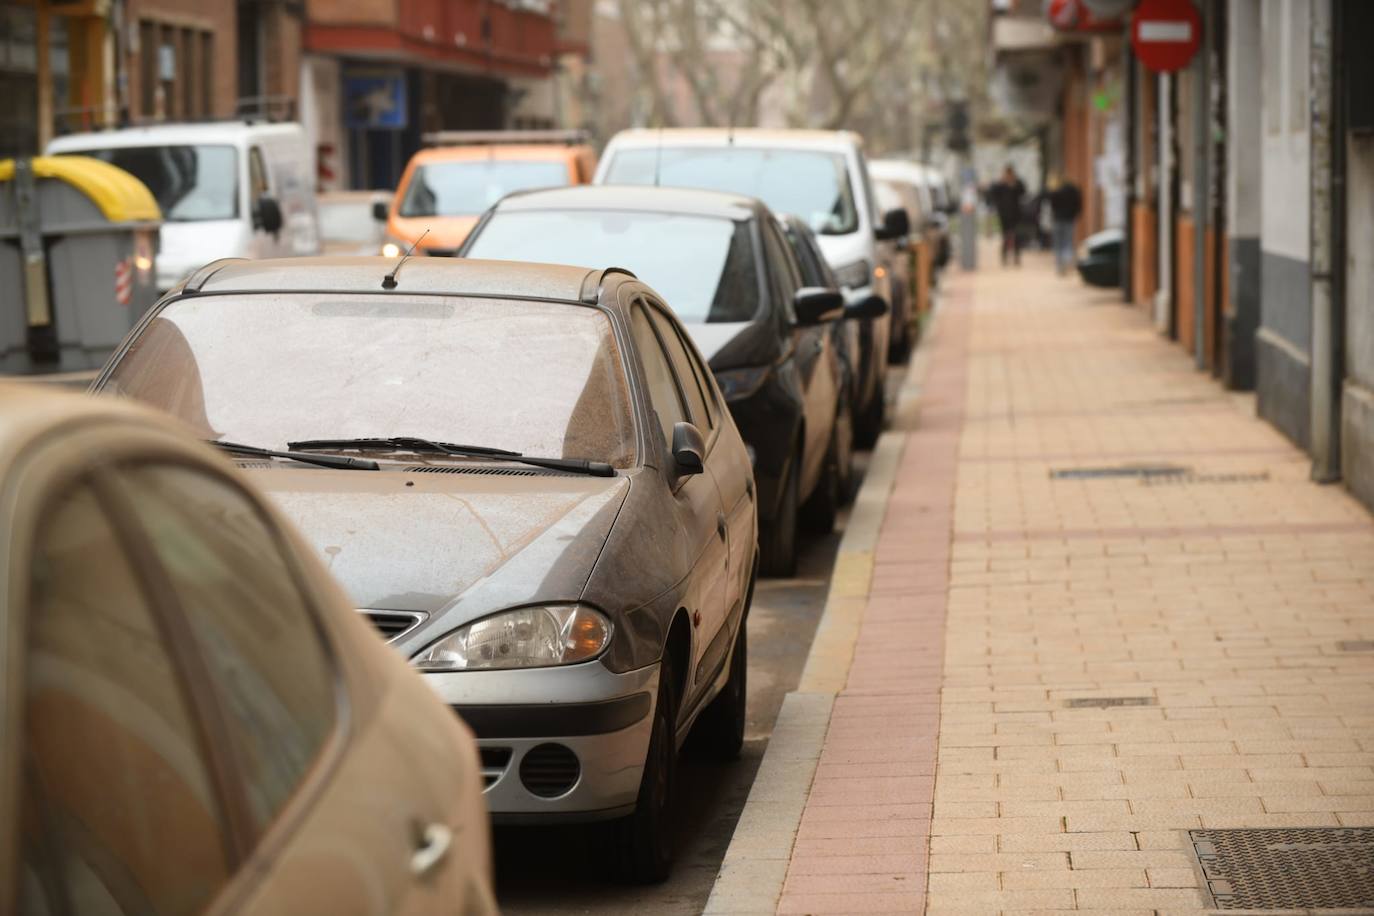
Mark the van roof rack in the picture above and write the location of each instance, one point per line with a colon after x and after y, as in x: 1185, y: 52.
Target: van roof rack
x: 489, y: 137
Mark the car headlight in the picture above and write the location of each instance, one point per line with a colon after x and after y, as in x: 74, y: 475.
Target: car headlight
x: 855, y: 275
x: 527, y: 637
x: 737, y: 384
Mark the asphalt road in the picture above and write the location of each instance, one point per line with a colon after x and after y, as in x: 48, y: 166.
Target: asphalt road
x: 558, y: 870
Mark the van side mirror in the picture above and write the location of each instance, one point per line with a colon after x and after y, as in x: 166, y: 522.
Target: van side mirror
x: 895, y: 225
x: 689, y: 449
x: 267, y: 215
x: 380, y: 210
x: 872, y: 306
x: 816, y: 305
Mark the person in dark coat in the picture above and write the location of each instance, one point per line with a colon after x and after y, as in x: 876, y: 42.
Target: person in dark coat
x: 1066, y: 202
x: 1007, y: 196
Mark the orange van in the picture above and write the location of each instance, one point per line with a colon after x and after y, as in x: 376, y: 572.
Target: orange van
x: 447, y: 186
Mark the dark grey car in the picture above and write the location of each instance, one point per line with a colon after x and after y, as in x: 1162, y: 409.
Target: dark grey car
x: 574, y: 580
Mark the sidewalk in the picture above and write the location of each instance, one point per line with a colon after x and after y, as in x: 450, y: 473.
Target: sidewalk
x: 1042, y: 665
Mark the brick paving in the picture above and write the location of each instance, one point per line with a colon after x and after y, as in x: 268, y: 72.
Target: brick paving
x: 954, y: 776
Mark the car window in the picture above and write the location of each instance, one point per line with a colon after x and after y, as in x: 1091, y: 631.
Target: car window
x: 663, y: 390
x: 132, y: 824
x: 677, y: 353
x: 257, y: 174
x: 257, y: 636
x: 190, y: 183
x: 782, y: 271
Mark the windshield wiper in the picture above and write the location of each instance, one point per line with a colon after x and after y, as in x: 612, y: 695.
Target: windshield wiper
x: 458, y: 450
x: 324, y: 461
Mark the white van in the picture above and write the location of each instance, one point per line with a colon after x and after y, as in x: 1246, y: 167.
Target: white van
x: 819, y: 176
x: 227, y: 189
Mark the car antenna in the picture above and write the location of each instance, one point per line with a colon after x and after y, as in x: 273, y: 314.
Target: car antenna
x: 389, y: 281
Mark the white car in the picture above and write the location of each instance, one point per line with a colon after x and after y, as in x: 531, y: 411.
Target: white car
x: 817, y: 175
x: 231, y: 189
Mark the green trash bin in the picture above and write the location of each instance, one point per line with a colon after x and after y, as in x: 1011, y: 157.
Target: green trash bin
x: 78, y: 249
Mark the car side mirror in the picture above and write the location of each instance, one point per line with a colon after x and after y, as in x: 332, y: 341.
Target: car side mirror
x: 871, y: 306
x: 689, y: 449
x: 895, y: 225
x: 267, y: 215
x: 380, y: 210
x: 817, y: 305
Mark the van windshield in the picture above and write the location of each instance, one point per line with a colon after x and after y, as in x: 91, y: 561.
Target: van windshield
x: 189, y: 183
x: 810, y: 184
x: 469, y: 187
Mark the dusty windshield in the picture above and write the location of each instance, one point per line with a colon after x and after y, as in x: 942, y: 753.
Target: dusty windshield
x: 707, y: 273
x: 538, y: 378
x: 809, y: 184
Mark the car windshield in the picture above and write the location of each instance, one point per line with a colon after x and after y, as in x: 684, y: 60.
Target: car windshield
x: 468, y: 187
x: 540, y: 378
x: 705, y: 270
x: 190, y: 183
x: 810, y: 184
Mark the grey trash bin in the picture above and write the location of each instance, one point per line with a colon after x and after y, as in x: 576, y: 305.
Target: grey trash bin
x: 78, y: 249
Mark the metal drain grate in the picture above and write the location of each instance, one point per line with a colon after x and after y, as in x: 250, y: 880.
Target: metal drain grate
x: 1237, y: 477
x: 1142, y: 471
x: 1313, y: 868
x: 1107, y: 702
x: 1356, y: 645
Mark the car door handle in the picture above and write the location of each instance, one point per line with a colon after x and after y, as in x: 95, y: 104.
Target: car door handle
x: 431, y: 849
x: 720, y: 525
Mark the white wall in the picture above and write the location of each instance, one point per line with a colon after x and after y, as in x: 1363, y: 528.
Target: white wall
x: 321, y: 117
x: 1286, y: 180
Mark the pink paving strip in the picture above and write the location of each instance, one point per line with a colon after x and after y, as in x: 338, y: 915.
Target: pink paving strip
x: 863, y: 843
x: 1182, y: 531
x: 1285, y: 451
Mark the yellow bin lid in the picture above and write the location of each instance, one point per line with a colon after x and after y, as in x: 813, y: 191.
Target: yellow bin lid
x: 121, y: 197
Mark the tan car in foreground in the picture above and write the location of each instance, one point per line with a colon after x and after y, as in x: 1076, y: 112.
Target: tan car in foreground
x: 194, y: 718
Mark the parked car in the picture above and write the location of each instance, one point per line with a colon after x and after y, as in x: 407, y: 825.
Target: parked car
x: 197, y: 720
x: 820, y: 176
x: 901, y: 268
x: 574, y: 581
x: 1099, y: 258
x: 722, y: 263
x: 349, y: 223
x: 226, y: 189
x: 445, y: 187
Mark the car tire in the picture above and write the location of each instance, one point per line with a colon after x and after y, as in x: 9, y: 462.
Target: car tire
x: 778, y: 541
x: 642, y: 842
x: 899, y: 349
x: 869, y: 425
x: 719, y: 733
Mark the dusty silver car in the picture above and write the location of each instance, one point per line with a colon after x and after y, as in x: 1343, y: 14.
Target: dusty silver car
x: 573, y: 578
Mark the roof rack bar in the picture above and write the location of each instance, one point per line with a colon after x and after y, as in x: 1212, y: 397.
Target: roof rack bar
x: 487, y: 137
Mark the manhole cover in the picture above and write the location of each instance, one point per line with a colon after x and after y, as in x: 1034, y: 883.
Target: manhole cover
x: 1315, y: 868
x: 1106, y: 702
x: 1356, y: 645
x: 1142, y: 471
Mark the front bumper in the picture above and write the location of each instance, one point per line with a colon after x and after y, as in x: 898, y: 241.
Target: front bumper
x: 602, y: 718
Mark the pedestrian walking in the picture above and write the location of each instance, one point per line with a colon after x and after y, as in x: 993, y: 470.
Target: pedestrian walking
x: 1066, y: 202
x: 1006, y: 197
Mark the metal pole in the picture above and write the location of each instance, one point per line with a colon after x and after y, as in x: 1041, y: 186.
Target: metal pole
x: 1327, y: 320
x: 1202, y: 97
x: 1128, y: 265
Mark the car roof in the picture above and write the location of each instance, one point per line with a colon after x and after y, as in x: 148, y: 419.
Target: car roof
x: 837, y: 140
x: 542, y: 152
x: 640, y: 198
x: 419, y: 274
x: 200, y: 134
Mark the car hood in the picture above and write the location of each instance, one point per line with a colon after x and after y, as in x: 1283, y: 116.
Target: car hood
x: 445, y: 233
x: 434, y: 542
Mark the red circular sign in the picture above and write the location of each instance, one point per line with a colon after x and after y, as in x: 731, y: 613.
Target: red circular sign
x: 1166, y: 33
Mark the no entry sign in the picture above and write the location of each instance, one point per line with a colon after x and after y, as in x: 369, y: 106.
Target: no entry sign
x: 1166, y: 33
